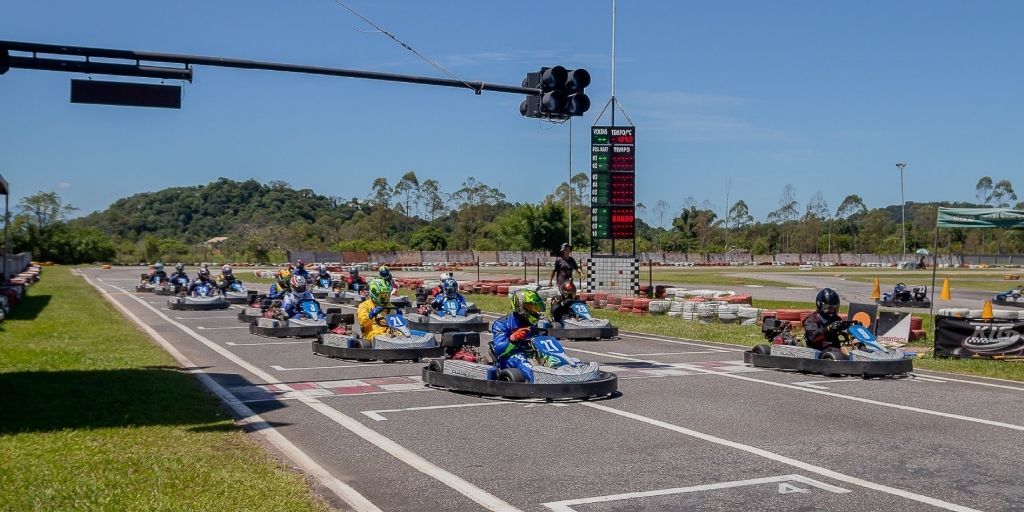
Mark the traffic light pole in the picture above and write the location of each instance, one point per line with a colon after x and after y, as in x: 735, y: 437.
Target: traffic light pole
x: 8, y: 61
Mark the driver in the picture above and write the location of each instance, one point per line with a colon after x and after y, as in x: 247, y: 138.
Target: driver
x: 225, y: 278
x: 280, y: 287
x: 179, y: 274
x: 562, y: 304
x: 322, y: 273
x: 300, y: 270
x: 512, y: 333
x: 298, y: 293
x: 378, y: 301
x: 449, y: 291
x: 158, y: 273
x: 385, y: 274
x: 822, y: 328
x: 353, y: 280
x: 202, y: 278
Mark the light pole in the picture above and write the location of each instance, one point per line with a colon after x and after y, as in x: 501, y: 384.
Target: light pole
x: 903, y: 207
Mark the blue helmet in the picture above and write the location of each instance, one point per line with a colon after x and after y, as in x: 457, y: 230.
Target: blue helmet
x: 450, y: 287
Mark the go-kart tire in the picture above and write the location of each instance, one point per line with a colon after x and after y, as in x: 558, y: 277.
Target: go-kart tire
x: 511, y: 375
x: 436, y: 365
x: 764, y: 350
x: 364, y: 343
x: 832, y: 354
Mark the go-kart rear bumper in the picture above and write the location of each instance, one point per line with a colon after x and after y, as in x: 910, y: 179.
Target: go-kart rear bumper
x: 828, y: 367
x: 904, y: 303
x: 377, y: 354
x: 443, y: 327
x: 606, y: 385
x: 185, y: 305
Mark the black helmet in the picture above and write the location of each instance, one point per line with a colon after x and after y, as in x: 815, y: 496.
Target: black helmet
x: 827, y: 302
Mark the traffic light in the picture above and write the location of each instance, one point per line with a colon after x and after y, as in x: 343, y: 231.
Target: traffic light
x: 561, y: 94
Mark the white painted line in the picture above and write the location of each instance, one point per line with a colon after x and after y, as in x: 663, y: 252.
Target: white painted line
x: 864, y: 400
x: 281, y: 369
x: 566, y: 506
x: 708, y: 344
x: 810, y: 385
x: 948, y: 379
x: 484, y: 498
x: 828, y: 473
x: 221, y: 328
x: 202, y: 317
x: 356, y: 500
x: 671, y: 353
x: 376, y: 415
x: 915, y: 378
x: 233, y: 344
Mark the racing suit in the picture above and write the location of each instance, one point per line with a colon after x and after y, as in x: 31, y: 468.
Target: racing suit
x: 196, y: 282
x: 181, y: 279
x: 561, y: 307
x: 277, y: 291
x: 438, y: 304
x: 302, y: 272
x: 373, y: 325
x: 159, y: 274
x: 817, y: 333
x: 291, y: 301
x: 319, y: 276
x: 509, y: 353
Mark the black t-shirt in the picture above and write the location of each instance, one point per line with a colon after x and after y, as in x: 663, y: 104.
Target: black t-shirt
x: 564, y: 268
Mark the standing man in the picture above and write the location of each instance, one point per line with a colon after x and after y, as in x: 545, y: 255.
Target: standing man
x: 564, y: 265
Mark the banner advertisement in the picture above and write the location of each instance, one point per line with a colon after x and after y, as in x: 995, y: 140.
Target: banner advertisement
x: 893, y: 329
x: 966, y: 337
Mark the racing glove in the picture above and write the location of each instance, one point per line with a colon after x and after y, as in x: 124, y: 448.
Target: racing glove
x: 461, y: 312
x: 520, y: 334
x: 836, y: 326
x: 376, y: 310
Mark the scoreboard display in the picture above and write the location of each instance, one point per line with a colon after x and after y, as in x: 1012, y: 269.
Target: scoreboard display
x: 612, y: 171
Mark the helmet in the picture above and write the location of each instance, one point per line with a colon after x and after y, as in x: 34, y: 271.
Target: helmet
x: 286, y: 274
x: 179, y: 268
x: 380, y: 292
x: 568, y: 290
x: 450, y: 287
x: 384, y: 272
x: 204, y: 273
x: 226, y: 270
x: 827, y: 302
x: 158, y: 266
x: 323, y: 268
x: 298, y: 284
x: 354, y: 272
x: 528, y: 304
x: 300, y: 265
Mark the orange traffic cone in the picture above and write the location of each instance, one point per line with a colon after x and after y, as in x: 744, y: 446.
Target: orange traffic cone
x: 876, y: 292
x: 986, y: 312
x: 945, y: 290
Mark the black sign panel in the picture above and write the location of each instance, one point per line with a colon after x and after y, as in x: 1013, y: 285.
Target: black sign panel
x: 125, y: 94
x: 966, y: 337
x: 612, y: 182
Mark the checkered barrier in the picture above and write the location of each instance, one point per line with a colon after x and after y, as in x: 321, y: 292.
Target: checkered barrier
x: 582, y: 372
x: 794, y: 351
x: 619, y: 276
x: 468, y: 369
x: 421, y: 341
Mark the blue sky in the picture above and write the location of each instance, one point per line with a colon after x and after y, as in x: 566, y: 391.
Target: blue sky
x: 822, y: 95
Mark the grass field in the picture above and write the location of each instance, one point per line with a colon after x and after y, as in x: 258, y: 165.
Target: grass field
x: 96, y: 416
x: 750, y: 336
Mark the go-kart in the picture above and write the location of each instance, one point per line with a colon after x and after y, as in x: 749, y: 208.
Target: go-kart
x: 578, y: 324
x: 399, y: 344
x: 150, y: 284
x: 904, y: 297
x: 309, y: 322
x: 202, y: 298
x: 321, y: 287
x: 256, y: 309
x: 447, y: 319
x: 174, y: 286
x: 557, y: 376
x: 1012, y: 298
x: 234, y: 292
x: 858, y: 353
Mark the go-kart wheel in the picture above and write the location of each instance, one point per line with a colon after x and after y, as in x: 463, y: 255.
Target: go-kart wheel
x: 556, y: 325
x: 764, y: 350
x: 511, y: 375
x: 364, y: 343
x: 436, y: 365
x: 832, y: 354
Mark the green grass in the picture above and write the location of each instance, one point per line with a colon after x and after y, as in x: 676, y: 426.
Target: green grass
x: 750, y: 336
x: 96, y: 416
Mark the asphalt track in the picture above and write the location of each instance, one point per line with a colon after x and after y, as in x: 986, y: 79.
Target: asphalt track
x: 693, y: 428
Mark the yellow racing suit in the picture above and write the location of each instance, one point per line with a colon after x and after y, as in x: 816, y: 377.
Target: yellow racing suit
x: 372, y: 326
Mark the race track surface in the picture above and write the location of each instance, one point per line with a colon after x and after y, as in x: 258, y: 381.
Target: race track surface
x: 692, y: 429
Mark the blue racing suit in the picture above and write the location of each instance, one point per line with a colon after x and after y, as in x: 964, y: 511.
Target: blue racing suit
x: 291, y: 301
x: 511, y: 354
x: 302, y: 272
x: 277, y: 292
x: 438, y: 304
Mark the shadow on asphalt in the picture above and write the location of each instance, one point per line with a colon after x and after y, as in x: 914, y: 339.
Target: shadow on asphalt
x: 42, y: 401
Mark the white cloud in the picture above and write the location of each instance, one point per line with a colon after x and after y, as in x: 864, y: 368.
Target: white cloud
x: 64, y: 185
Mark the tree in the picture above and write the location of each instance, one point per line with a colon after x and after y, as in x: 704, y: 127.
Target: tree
x: 852, y: 209
x: 1002, y: 194
x: 433, y: 199
x: 984, y: 189
x: 787, y: 212
x: 381, y: 200
x: 660, y: 209
x: 408, y: 186
x: 817, y: 210
x: 739, y: 215
x: 428, y: 238
x: 44, y: 209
